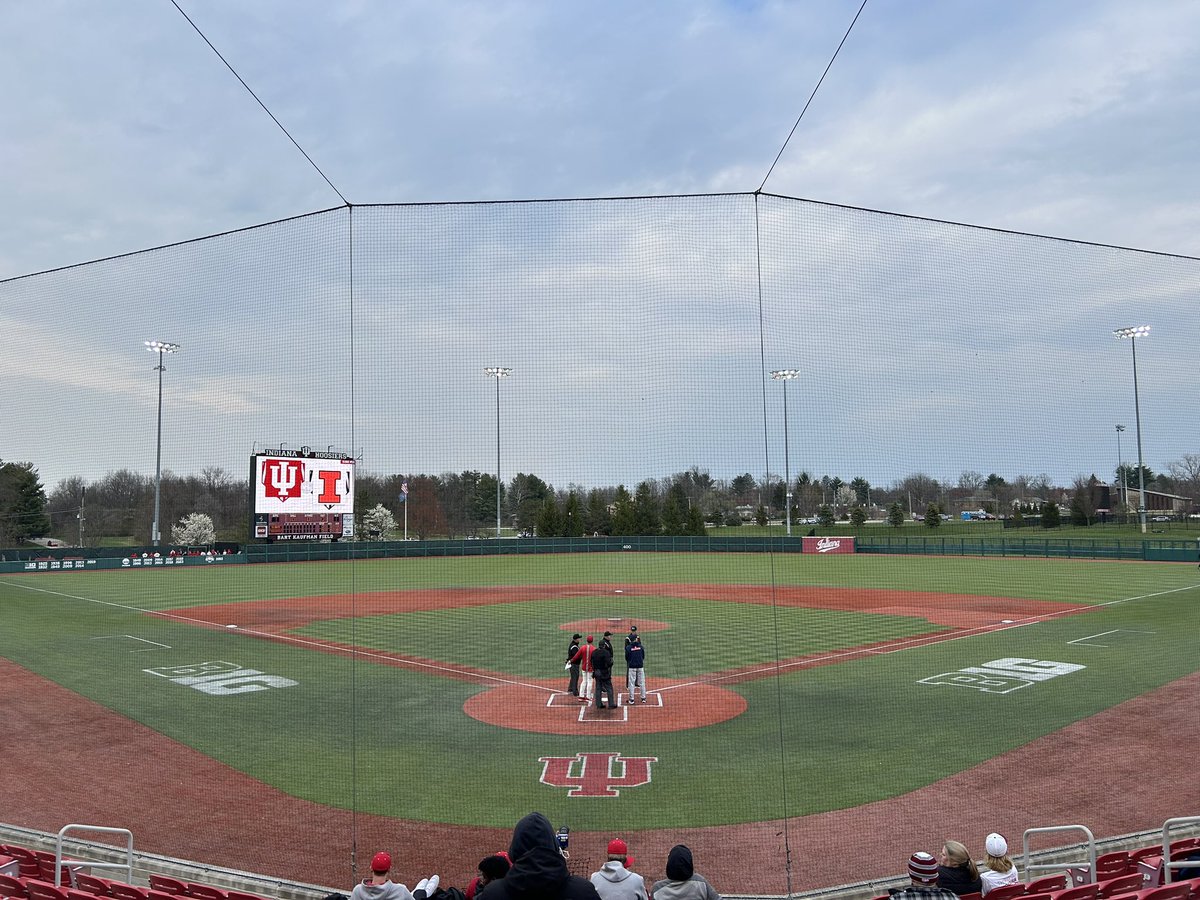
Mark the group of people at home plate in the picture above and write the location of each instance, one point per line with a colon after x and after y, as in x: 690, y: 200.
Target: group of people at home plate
x: 590, y: 666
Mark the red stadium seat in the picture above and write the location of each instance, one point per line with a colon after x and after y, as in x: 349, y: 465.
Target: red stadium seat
x: 1112, y: 865
x: 974, y: 896
x: 1047, y: 884
x: 12, y: 887
x: 92, y: 884
x: 239, y: 895
x: 1006, y: 891
x: 1082, y: 892
x: 167, y: 884
x: 27, y: 861
x: 76, y: 894
x: 205, y: 892
x: 161, y: 895
x: 1043, y: 896
x: 44, y: 890
x: 1125, y: 884
x: 1136, y: 856
x: 1180, y: 890
x: 122, y: 891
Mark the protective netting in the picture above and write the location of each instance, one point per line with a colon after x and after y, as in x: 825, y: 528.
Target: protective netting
x: 417, y: 704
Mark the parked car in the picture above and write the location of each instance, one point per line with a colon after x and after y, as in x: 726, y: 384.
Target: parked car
x: 1160, y: 518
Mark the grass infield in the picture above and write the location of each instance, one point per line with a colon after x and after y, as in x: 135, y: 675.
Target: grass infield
x: 357, y: 731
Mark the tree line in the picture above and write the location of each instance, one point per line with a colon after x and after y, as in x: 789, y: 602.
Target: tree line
x: 119, y: 507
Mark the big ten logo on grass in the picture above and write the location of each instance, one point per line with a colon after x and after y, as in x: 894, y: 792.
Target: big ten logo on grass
x: 1003, y: 676
x: 221, y: 678
x: 596, y: 774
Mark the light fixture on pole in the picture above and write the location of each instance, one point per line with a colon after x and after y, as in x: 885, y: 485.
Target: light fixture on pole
x: 497, y: 372
x: 786, y: 375
x: 1133, y: 333
x: 1123, y: 493
x: 161, y: 348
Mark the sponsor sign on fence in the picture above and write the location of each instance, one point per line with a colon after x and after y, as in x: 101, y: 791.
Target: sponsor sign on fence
x: 828, y: 545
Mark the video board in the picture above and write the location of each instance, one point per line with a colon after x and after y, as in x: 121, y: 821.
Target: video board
x: 302, y: 495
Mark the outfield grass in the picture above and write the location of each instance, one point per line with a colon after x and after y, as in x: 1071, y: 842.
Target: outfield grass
x: 354, y: 733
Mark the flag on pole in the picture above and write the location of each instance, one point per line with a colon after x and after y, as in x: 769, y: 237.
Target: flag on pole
x: 403, y: 492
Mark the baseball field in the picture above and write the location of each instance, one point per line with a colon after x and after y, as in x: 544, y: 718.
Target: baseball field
x: 797, y: 704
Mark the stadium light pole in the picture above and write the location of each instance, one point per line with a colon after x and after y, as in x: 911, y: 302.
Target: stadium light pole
x: 1133, y: 333
x: 161, y: 348
x: 497, y: 372
x: 786, y: 375
x: 1124, y: 492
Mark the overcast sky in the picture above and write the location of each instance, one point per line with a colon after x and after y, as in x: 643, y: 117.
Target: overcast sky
x: 636, y: 330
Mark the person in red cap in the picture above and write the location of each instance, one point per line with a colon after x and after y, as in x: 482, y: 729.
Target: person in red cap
x: 584, y: 657
x: 923, y: 873
x: 379, y: 886
x: 614, y: 880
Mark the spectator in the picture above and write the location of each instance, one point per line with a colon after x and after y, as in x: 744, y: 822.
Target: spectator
x: 573, y: 665
x: 379, y: 886
x: 584, y: 657
x: 491, y: 868
x: 957, y: 871
x: 682, y: 882
x: 923, y: 873
x: 635, y: 659
x: 538, y: 871
x: 602, y: 663
x: 615, y: 881
x: 998, y: 868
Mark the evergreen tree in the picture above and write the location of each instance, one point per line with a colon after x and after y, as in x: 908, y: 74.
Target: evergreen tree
x: 597, y: 519
x: 572, y: 525
x: 549, y: 520
x: 646, y: 517
x: 1050, y: 515
x: 760, y: 516
x: 22, y: 504
x: 933, y: 516
x: 695, y: 522
x: 895, y: 516
x: 858, y: 517
x: 675, y: 510
x: 825, y: 516
x: 624, y: 519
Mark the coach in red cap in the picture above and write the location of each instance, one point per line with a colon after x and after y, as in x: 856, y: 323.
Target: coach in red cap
x: 615, y: 881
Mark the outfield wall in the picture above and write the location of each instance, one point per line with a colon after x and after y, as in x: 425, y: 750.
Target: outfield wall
x: 75, y: 559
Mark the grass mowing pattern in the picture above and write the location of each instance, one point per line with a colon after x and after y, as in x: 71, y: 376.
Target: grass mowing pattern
x: 849, y: 731
x: 703, y: 636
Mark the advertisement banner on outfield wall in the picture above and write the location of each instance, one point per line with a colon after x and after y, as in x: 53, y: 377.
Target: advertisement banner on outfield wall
x: 828, y: 545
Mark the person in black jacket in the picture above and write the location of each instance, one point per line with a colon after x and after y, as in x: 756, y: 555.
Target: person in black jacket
x: 602, y: 663
x: 538, y: 871
x: 957, y: 871
x: 573, y: 666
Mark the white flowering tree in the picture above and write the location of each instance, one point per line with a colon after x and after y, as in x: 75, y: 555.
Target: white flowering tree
x: 195, y: 530
x: 377, y: 523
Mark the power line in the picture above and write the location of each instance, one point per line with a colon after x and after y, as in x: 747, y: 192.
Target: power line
x: 295, y: 143
x: 820, y: 81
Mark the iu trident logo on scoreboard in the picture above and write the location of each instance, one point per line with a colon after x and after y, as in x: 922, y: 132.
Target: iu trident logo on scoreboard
x: 595, y: 774
x: 283, y: 478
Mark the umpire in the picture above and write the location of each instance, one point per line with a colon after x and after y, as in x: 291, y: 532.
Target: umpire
x: 573, y: 666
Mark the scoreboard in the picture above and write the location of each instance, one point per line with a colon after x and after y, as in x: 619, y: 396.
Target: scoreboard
x: 301, y: 495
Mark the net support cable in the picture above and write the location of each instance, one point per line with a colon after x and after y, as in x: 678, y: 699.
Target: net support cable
x: 250, y: 91
x: 820, y: 81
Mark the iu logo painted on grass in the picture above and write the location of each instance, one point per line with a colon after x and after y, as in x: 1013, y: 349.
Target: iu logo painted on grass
x: 595, y: 774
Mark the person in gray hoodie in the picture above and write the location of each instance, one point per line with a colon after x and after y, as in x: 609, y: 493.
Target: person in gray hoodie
x: 614, y: 881
x: 682, y: 882
x: 379, y: 886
